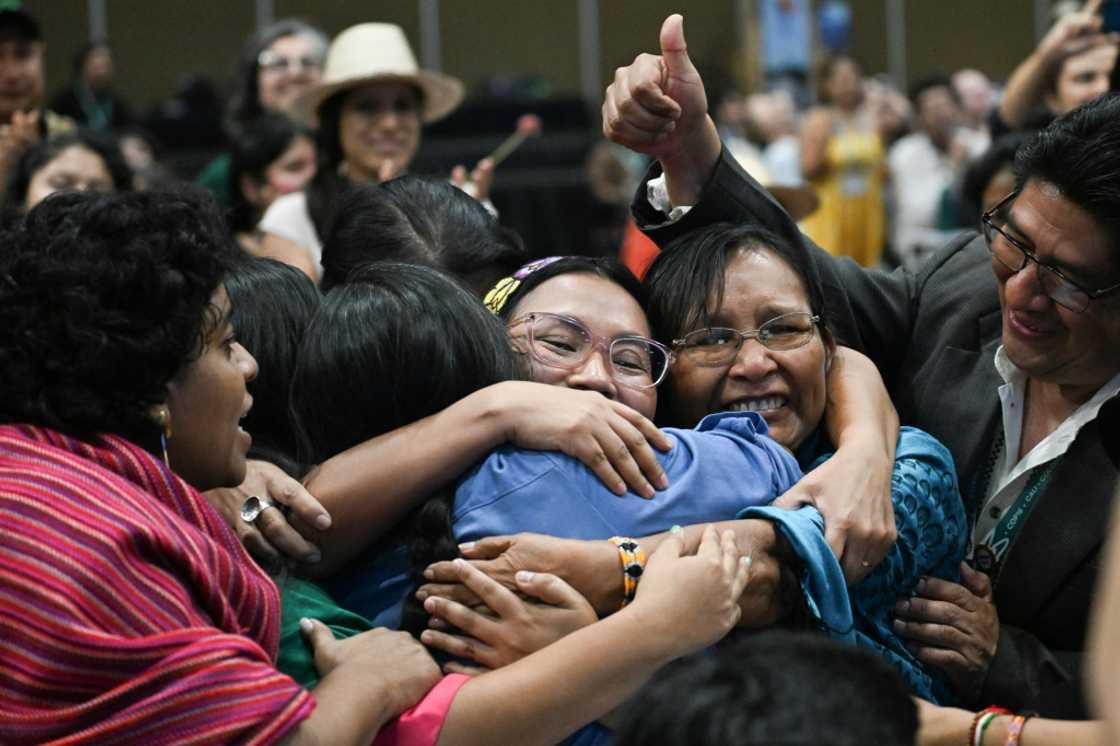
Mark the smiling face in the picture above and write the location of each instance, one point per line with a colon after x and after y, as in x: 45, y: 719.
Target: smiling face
x: 293, y: 66
x: 207, y: 400
x: 607, y: 311
x: 786, y: 387
x: 1082, y: 78
x: 74, y: 169
x: 1050, y: 343
x: 379, y: 130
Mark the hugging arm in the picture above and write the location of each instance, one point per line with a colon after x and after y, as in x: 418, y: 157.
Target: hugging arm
x: 369, y: 487
x: 685, y: 603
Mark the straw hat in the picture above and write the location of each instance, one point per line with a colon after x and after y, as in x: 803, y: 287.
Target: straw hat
x: 377, y: 53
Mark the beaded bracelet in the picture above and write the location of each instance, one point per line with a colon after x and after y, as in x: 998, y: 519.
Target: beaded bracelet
x: 981, y: 722
x: 633, y: 563
x: 1015, y: 729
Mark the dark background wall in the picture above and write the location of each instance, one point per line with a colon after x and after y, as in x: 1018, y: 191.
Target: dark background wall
x: 157, y: 40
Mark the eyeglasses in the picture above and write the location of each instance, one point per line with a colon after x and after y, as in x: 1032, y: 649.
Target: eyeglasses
x: 719, y: 345
x: 563, y: 342
x: 1011, y: 253
x: 274, y: 62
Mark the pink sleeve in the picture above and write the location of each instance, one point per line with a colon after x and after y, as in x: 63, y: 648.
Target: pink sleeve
x: 421, y: 725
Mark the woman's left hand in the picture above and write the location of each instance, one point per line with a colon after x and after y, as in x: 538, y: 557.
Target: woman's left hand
x: 953, y: 627
x: 271, y: 539
x: 478, y: 183
x: 516, y: 628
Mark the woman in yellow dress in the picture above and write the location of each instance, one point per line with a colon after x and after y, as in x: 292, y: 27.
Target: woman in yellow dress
x: 843, y: 157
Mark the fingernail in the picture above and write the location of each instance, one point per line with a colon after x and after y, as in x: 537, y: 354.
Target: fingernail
x: 426, y: 637
x: 429, y: 605
x: 620, y: 488
x: 675, y: 530
x: 322, y: 521
x: 648, y: 492
x: 305, y: 626
x: 466, y: 546
x: 662, y: 481
x: 313, y: 558
x: 524, y: 576
x: 459, y: 562
x: 428, y: 574
x: 421, y: 594
x: 902, y: 606
x: 898, y: 626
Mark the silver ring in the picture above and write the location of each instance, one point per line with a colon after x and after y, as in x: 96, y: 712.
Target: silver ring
x: 253, y: 506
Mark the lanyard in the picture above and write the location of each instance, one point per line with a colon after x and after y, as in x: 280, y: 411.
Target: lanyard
x: 989, y: 553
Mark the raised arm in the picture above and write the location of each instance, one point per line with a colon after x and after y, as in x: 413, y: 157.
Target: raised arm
x: 1027, y: 87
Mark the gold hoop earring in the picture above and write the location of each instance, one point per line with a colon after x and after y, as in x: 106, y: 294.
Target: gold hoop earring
x: 161, y: 416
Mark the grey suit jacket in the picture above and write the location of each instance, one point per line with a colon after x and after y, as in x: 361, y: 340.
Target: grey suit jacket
x: 934, y: 335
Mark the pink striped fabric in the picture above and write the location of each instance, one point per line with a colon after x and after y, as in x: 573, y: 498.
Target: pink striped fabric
x: 129, y: 612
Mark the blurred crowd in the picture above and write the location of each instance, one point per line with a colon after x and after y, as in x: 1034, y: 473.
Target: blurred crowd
x: 812, y: 439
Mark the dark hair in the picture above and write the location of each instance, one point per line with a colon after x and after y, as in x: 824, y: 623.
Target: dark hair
x: 245, y: 104
x: 775, y: 687
x: 19, y: 25
x: 999, y: 155
x: 395, y: 344
x: 1079, y: 153
x: 104, y: 298
x: 419, y: 221
x: 39, y: 155
x: 272, y: 304
x: 929, y: 82
x: 606, y: 267
x: 685, y: 282
x: 252, y: 151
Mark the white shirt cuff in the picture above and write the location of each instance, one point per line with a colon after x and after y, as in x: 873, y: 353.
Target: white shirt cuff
x: 657, y: 193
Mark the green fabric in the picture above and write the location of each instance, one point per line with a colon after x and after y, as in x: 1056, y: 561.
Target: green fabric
x: 300, y: 599
x: 215, y: 177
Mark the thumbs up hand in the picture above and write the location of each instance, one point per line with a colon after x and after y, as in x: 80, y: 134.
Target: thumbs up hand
x: 657, y: 106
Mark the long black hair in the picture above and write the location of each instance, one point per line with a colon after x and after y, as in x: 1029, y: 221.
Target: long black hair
x: 395, y: 344
x: 272, y: 304
x: 419, y: 220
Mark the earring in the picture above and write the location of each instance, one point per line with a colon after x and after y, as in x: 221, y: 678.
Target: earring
x: 161, y: 416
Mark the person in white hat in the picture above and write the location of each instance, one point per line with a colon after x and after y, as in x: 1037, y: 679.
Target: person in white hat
x: 369, y: 107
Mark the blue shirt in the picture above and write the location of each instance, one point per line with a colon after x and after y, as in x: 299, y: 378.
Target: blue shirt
x: 515, y: 489
x: 727, y: 463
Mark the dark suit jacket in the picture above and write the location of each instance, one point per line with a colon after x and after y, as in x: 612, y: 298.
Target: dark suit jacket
x: 934, y: 335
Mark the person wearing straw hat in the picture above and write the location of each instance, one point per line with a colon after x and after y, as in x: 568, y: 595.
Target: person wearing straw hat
x: 369, y: 107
